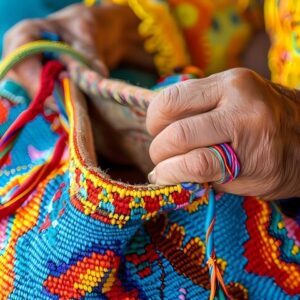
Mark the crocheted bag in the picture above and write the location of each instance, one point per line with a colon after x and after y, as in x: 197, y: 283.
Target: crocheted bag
x: 69, y: 231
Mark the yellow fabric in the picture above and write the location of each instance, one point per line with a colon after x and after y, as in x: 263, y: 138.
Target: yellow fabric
x: 216, y: 32
x: 163, y: 38
x: 283, y: 24
x: 209, y: 34
x: 180, y: 32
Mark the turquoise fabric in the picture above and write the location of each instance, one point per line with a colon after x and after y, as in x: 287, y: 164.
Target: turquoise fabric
x: 13, y: 11
x: 56, y: 254
x: 13, y: 91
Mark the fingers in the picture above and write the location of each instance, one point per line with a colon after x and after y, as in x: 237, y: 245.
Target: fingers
x: 24, y: 32
x: 188, y: 134
x: 199, y: 166
x: 182, y: 100
x: 80, y: 34
x: 28, y: 71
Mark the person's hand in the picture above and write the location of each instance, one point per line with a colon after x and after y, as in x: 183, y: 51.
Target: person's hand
x: 106, y: 34
x: 261, y: 121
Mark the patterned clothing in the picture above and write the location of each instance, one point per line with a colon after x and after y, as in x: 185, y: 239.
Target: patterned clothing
x: 211, y: 35
x: 283, y: 24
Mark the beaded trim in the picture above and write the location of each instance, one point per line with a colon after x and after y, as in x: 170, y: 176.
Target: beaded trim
x: 11, y: 172
x: 167, y: 251
x: 96, y: 195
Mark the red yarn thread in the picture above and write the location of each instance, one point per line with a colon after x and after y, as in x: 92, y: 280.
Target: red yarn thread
x: 49, y: 74
x: 48, y: 77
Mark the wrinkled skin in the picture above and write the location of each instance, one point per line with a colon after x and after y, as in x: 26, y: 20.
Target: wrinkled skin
x: 106, y: 34
x: 261, y: 120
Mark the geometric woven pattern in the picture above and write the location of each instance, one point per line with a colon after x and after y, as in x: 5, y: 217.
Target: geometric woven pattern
x: 80, y: 235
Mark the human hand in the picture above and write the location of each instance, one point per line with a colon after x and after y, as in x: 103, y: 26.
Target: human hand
x: 261, y: 121
x: 106, y: 34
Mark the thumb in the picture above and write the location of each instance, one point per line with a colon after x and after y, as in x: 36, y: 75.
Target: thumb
x: 200, y: 165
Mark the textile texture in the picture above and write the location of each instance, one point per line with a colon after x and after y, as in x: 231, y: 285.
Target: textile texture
x: 82, y: 235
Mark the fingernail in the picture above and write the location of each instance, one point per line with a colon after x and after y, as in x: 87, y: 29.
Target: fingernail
x: 152, y: 177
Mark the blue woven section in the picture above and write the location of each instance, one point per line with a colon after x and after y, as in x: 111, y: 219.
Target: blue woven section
x: 153, y: 258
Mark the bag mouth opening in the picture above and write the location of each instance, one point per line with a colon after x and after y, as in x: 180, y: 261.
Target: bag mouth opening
x: 113, y: 144
x: 83, y: 146
x: 95, y: 193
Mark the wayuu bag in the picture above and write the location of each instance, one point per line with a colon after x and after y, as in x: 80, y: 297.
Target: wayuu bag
x: 70, y: 231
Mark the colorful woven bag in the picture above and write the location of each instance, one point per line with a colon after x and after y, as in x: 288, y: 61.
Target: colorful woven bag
x: 69, y: 231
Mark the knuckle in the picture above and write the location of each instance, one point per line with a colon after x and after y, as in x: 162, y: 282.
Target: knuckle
x: 179, y: 133
x: 162, y: 107
x: 209, y: 92
x: 271, y: 187
x: 184, y: 164
x: 199, y: 166
x: 205, y: 94
x: 22, y: 28
x: 264, y: 113
x: 15, y: 30
x: 242, y: 72
x: 203, y: 165
x: 170, y: 99
x: 241, y: 76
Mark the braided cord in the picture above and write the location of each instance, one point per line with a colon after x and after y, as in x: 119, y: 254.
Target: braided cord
x: 120, y: 92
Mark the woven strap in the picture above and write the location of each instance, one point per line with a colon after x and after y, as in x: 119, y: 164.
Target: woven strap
x: 49, y: 74
x: 34, y: 48
x: 119, y: 91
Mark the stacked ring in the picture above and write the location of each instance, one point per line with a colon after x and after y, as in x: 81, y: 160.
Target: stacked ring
x: 230, y: 165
